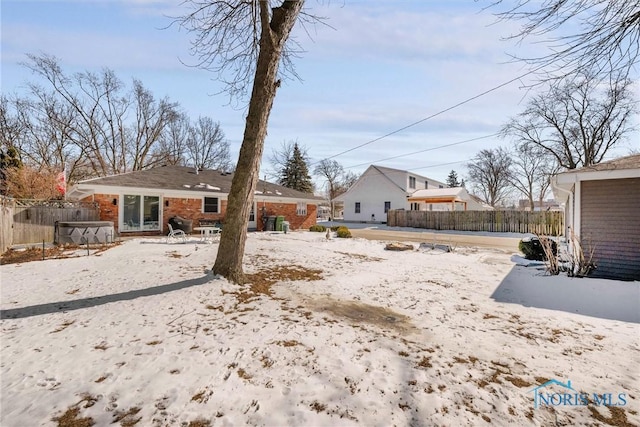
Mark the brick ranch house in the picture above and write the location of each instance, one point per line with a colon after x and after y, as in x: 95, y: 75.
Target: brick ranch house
x: 142, y: 202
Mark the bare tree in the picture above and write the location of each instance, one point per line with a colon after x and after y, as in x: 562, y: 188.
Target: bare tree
x: 337, y: 180
x: 530, y: 172
x: 489, y: 172
x: 90, y: 121
x: 243, y: 42
x: 172, y: 145
x: 151, y: 119
x: 577, y: 122
x: 206, y: 147
x: 600, y: 37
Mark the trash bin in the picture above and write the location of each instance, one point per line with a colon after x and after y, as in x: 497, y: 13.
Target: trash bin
x: 285, y: 226
x: 271, y: 223
x: 279, y: 221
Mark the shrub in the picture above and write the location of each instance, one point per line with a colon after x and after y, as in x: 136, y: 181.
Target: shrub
x: 318, y: 228
x: 532, y: 248
x: 335, y: 227
x: 343, y: 232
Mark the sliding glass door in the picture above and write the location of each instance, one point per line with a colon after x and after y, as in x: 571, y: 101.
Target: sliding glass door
x: 140, y: 213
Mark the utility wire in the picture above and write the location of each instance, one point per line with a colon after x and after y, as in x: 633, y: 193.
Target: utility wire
x: 466, y: 101
x: 425, y: 150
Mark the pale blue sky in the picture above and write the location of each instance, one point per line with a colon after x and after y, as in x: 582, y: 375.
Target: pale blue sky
x: 384, y: 65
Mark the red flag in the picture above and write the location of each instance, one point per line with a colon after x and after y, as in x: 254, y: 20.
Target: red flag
x: 61, y: 182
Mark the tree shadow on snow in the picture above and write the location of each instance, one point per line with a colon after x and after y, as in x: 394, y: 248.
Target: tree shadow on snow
x: 63, y: 306
x: 605, y: 299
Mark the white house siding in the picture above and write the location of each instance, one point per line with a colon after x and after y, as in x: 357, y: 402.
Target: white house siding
x: 372, y: 192
x: 377, y: 185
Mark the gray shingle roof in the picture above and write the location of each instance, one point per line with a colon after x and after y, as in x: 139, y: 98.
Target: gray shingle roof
x: 182, y: 178
x: 627, y: 162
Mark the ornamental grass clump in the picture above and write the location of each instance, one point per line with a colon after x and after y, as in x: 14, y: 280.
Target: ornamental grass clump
x: 318, y: 228
x: 343, y: 232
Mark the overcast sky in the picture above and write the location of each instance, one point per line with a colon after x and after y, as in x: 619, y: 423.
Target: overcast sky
x: 381, y: 66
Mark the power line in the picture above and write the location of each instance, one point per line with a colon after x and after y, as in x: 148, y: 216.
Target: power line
x: 466, y: 101
x: 425, y: 150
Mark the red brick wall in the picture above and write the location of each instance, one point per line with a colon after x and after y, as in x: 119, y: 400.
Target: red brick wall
x: 108, y: 211
x: 191, y: 208
x: 288, y: 210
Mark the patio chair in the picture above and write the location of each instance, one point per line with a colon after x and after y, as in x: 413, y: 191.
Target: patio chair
x: 176, y: 234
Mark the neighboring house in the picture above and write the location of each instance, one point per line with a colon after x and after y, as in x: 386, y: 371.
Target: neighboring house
x: 380, y: 189
x: 142, y: 202
x: 446, y: 199
x: 602, y: 210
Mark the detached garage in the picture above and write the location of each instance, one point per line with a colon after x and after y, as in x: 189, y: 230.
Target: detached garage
x: 602, y: 209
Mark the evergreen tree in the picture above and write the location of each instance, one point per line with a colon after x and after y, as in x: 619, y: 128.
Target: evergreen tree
x: 295, y: 173
x: 452, y: 179
x: 9, y: 161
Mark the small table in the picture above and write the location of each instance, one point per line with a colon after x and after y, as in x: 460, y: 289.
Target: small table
x: 208, y: 233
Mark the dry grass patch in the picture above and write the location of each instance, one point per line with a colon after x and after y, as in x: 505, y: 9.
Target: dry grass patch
x: 201, y: 396
x: 64, y: 326
x: 174, y: 254
x: 425, y: 362
x: 70, y: 418
x: 127, y: 418
x: 34, y: 253
x: 260, y: 282
x: 244, y: 374
x: 318, y: 407
x: 200, y: 422
x: 518, y: 382
x: 617, y: 418
x: 360, y: 257
x: 288, y: 343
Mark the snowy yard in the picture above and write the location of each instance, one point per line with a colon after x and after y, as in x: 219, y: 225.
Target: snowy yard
x: 338, y: 332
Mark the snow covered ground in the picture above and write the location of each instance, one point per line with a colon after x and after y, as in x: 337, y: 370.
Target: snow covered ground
x: 331, y: 332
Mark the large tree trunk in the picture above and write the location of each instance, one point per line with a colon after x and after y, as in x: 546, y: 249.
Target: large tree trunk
x: 275, y: 32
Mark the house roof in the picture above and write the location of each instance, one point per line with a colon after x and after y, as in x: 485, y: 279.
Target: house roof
x: 182, y: 178
x: 390, y: 171
x: 622, y: 167
x: 389, y: 174
x: 627, y: 162
x: 439, y: 193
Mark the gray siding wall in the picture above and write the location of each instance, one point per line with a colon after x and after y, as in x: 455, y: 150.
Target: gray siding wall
x: 610, y: 225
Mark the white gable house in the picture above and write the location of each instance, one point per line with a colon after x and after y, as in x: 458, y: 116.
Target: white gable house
x: 380, y: 189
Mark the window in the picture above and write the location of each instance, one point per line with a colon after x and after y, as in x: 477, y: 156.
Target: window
x: 140, y: 213
x: 357, y: 207
x: 210, y: 205
x: 415, y: 206
x: 440, y: 186
x: 301, y: 208
x: 412, y: 182
x: 426, y: 185
x: 387, y: 206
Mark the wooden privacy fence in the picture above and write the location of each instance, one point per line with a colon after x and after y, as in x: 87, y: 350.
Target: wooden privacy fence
x: 549, y: 223
x: 33, y: 221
